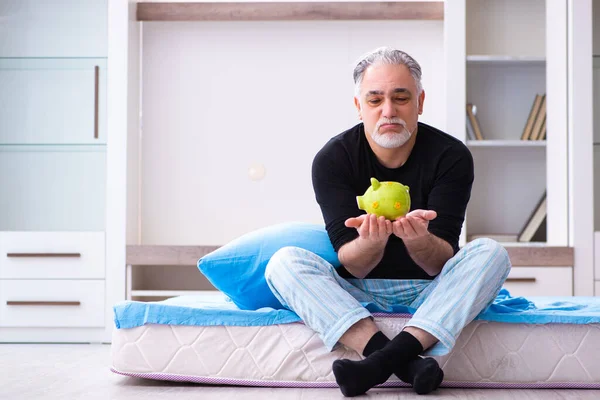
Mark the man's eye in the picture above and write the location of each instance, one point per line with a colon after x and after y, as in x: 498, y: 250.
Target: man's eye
x: 373, y: 101
x: 401, y: 99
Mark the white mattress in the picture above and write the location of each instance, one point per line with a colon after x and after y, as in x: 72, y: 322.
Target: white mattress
x: 487, y: 354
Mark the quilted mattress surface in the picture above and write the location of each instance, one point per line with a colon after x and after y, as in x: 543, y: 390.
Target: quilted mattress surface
x: 487, y: 354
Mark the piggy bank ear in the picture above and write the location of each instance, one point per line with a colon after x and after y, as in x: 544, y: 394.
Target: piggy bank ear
x: 375, y: 183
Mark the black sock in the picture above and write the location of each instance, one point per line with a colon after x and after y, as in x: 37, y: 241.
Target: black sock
x: 424, y: 374
x: 377, y: 342
x: 356, y: 377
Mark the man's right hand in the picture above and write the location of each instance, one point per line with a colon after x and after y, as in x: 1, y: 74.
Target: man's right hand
x: 371, y: 228
x: 363, y: 254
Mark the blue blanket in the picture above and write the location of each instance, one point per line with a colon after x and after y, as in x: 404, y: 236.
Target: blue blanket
x: 217, y: 309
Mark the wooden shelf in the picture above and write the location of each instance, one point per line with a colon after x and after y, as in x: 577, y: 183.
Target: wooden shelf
x: 290, y: 11
x: 506, y: 143
x: 171, y: 293
x: 540, y: 256
x: 526, y: 255
x: 494, y: 59
x: 166, y: 255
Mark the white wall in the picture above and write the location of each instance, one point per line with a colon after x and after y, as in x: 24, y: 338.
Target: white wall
x: 219, y: 97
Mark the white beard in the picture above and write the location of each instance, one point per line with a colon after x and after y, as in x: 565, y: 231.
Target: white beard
x: 391, y: 140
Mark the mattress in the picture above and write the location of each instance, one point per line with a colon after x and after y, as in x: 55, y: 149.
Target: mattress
x: 487, y: 354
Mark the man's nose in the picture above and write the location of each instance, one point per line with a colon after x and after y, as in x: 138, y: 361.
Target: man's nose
x: 388, y: 110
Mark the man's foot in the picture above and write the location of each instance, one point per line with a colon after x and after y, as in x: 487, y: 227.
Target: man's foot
x: 357, y: 377
x: 424, y: 374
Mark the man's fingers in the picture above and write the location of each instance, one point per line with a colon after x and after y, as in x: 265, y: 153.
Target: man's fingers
x: 381, y: 226
x: 365, y: 226
x: 397, y: 227
x: 389, y: 229
x: 409, y: 226
x: 352, y: 222
x: 424, y: 214
x: 355, y: 221
x: 374, y: 225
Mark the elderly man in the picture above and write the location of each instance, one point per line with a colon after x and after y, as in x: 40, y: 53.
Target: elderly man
x: 414, y: 260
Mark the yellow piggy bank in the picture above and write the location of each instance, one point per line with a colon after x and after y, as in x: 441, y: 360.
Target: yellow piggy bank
x: 388, y: 199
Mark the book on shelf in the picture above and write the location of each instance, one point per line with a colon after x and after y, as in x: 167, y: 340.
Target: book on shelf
x: 543, y: 131
x: 536, y: 121
x: 535, y: 222
x: 540, y: 121
x: 472, y: 120
x: 470, y: 130
x: 534, y: 229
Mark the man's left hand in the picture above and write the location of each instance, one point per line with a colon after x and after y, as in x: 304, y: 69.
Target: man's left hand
x: 413, y: 225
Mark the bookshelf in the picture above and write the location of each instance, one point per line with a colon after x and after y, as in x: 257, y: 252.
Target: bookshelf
x: 504, y: 74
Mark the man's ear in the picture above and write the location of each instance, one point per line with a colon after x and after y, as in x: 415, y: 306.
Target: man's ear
x: 357, y: 105
x: 421, y: 101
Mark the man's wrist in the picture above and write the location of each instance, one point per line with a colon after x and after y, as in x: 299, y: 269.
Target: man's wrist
x: 370, y: 246
x: 419, y: 243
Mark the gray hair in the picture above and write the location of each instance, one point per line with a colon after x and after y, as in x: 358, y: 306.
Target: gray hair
x: 387, y: 55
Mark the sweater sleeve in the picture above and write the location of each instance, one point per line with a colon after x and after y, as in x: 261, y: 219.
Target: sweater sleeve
x: 334, y: 192
x: 450, y: 194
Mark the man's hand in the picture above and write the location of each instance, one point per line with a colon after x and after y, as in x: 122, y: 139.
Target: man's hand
x: 413, y: 225
x: 371, y: 228
x: 362, y: 254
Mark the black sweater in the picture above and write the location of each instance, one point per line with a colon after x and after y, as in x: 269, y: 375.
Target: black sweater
x: 439, y: 172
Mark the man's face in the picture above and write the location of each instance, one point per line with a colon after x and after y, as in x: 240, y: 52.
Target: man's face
x: 388, y: 104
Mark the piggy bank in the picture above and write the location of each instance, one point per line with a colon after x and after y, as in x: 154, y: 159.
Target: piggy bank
x: 388, y: 199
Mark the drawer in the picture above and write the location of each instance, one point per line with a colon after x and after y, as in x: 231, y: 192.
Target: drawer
x: 540, y: 281
x: 53, y: 28
x: 52, y: 255
x: 38, y: 303
x: 53, y: 101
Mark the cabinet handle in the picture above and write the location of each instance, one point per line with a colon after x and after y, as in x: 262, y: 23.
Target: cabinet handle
x: 96, y: 85
x: 24, y: 255
x: 520, y: 279
x: 42, y: 303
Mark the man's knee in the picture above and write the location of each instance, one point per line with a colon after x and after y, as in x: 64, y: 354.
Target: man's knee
x: 499, y: 259
x: 292, y: 260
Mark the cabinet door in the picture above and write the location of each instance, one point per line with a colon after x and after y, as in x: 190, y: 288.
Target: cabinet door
x: 53, y: 28
x: 52, y: 188
x: 52, y: 101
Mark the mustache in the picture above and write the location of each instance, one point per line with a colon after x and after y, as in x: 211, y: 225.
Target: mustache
x: 384, y: 121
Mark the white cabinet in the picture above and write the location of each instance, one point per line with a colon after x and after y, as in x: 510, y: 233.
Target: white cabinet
x: 53, y: 101
x: 55, y: 168
x: 53, y: 28
x: 52, y: 255
x: 52, y: 188
x: 56, y: 304
x: 540, y: 281
x: 596, y: 171
x: 597, y: 260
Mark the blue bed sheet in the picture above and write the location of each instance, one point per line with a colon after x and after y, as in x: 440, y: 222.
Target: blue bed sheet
x: 217, y: 309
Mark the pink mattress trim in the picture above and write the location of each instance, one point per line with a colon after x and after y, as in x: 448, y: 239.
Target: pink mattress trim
x: 295, y: 384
